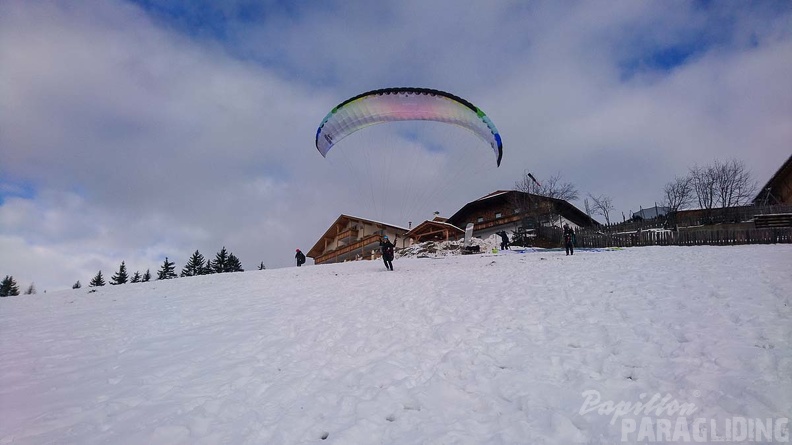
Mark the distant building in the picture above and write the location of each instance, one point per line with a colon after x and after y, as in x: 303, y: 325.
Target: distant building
x: 778, y: 190
x: 438, y: 229
x: 651, y: 213
x: 510, y: 209
x: 354, y: 238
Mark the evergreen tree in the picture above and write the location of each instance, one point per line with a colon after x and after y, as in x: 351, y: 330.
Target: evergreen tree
x: 220, y: 264
x: 195, y: 265
x: 261, y: 266
x: 31, y: 290
x: 167, y: 271
x: 146, y: 276
x: 8, y: 287
x: 136, y: 278
x: 77, y: 285
x: 234, y: 265
x: 121, y: 276
x: 208, y: 268
x: 98, y: 280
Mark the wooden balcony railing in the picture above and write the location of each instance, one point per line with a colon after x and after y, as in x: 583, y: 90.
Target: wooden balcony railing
x: 330, y: 255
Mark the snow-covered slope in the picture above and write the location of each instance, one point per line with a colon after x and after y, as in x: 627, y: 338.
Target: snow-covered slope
x: 477, y: 349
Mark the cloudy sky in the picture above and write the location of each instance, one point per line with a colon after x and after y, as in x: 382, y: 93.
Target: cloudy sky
x: 135, y: 130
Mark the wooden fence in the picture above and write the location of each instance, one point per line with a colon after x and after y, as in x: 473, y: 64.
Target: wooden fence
x: 698, y: 237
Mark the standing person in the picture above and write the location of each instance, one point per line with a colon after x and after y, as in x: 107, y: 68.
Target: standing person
x: 387, y: 252
x: 504, y: 239
x: 569, y: 236
x: 300, y: 258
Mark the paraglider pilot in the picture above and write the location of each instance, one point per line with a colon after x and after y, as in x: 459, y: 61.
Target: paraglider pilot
x: 569, y: 238
x: 504, y: 239
x: 300, y: 257
x: 387, y: 252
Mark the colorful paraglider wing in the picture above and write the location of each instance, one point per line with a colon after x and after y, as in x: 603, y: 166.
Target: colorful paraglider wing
x: 404, y: 104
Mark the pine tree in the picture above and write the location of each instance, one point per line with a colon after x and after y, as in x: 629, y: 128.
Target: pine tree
x: 146, y: 276
x: 220, y: 264
x: 208, y: 268
x: 136, y: 278
x: 121, y: 276
x: 31, y: 290
x: 261, y: 266
x: 194, y: 266
x: 77, y: 285
x: 167, y: 271
x: 234, y: 265
x: 8, y: 287
x: 98, y: 280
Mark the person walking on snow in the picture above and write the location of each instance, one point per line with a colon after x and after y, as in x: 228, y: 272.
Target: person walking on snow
x: 387, y: 252
x: 300, y: 258
x: 569, y: 238
x: 504, y: 239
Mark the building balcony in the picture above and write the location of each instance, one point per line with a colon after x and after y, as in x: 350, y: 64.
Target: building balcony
x: 349, y: 251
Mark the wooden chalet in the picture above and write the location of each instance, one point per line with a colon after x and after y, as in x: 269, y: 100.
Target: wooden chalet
x: 506, y: 209
x: 352, y: 238
x: 438, y: 229
x: 778, y: 190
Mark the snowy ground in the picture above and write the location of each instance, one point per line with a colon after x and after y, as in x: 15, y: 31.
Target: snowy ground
x: 476, y: 349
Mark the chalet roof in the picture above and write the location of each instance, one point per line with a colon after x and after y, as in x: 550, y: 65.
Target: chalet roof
x: 330, y: 232
x: 436, y: 223
x: 775, y: 184
x: 494, y: 194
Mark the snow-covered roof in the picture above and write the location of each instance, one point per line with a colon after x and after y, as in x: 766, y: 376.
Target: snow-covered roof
x: 434, y: 223
x: 494, y: 194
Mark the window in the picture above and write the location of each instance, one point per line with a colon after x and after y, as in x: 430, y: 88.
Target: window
x: 498, y: 215
x: 480, y: 219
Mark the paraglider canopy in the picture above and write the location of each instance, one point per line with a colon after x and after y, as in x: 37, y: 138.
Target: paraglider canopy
x: 404, y: 104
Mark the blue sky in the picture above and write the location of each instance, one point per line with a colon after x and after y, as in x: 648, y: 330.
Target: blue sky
x: 134, y: 130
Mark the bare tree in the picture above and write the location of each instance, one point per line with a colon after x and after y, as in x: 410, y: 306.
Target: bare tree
x: 603, y: 205
x: 703, y: 182
x: 734, y: 184
x: 535, y: 209
x: 724, y: 184
x: 678, y: 194
x: 552, y: 187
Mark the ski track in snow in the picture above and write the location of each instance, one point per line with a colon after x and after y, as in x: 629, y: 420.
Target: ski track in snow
x: 474, y: 349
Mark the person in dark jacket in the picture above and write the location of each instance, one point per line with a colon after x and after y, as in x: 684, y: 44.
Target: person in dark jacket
x: 300, y: 257
x: 504, y: 239
x: 569, y: 240
x: 386, y: 247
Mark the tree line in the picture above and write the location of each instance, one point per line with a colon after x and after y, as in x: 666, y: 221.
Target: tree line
x: 719, y: 185
x: 197, y: 264
x: 224, y: 262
